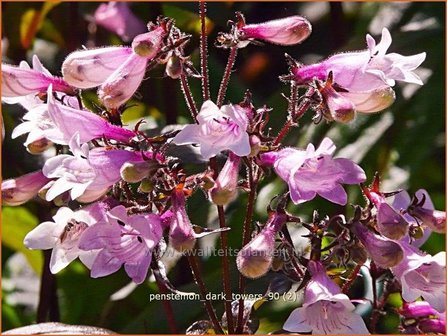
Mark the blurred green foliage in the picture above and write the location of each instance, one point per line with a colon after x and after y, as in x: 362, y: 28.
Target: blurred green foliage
x: 406, y: 144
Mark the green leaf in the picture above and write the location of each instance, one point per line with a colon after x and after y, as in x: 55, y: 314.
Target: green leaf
x: 17, y: 222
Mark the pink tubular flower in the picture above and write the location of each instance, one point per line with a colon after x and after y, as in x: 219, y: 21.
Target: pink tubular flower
x: 22, y: 81
x: 417, y: 309
x: 63, y: 234
x: 86, y: 69
x: 286, y: 31
x: 23, y: 188
x: 88, y: 125
x: 88, y: 174
x: 120, y: 86
x: 181, y: 234
x: 117, y: 70
x: 313, y: 171
x: 425, y: 213
x: 225, y: 188
x: 119, y: 19
x: 325, y: 310
x: 422, y: 275
x: 384, y: 252
x: 402, y: 203
x: 255, y: 258
x: 218, y: 130
x: 122, y: 240
x: 365, y: 70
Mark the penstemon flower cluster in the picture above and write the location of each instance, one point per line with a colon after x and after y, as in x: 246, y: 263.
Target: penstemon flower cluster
x: 123, y: 199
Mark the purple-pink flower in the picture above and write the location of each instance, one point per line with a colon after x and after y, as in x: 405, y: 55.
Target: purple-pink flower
x: 119, y: 19
x: 88, y: 174
x: 286, y: 31
x: 313, y: 171
x: 225, y: 188
x: 23, y: 188
x: 365, y: 70
x: 62, y: 235
x: 118, y: 71
x: 123, y: 239
x: 325, y: 310
x: 18, y: 82
x: 255, y: 258
x: 218, y: 130
x: 422, y: 275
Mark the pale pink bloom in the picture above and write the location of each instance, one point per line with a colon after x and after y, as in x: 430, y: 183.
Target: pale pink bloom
x: 401, y: 203
x: 181, y: 234
x: 286, y: 31
x: 58, y: 123
x: 88, y: 174
x: 342, y: 106
x: 255, y: 258
x: 118, y: 71
x: 225, y: 187
x: 23, y: 188
x: 313, y: 171
x: 119, y: 19
x: 123, y: 240
x: 390, y: 222
x: 218, y: 130
x: 365, y: 70
x: 90, y: 68
x: 121, y: 85
x: 422, y: 275
x: 68, y: 121
x: 384, y: 252
x: 18, y: 82
x: 63, y: 234
x: 37, y: 121
x: 325, y: 310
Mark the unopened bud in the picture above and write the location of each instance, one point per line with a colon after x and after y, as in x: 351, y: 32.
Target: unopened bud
x: 38, y: 146
x: 432, y: 326
x: 146, y: 186
x: 181, y: 233
x: 390, y: 223
x: 133, y: 172
x: 340, y: 108
x: 255, y: 258
x: 385, y: 252
x: 371, y: 101
x: 148, y: 45
x: 417, y: 309
x: 416, y: 231
x: 174, y: 67
x: 23, y: 188
x: 255, y: 144
x: 287, y: 31
x: 225, y: 189
x: 433, y: 219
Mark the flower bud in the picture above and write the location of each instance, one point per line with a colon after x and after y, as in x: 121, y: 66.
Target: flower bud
x: 385, y: 252
x: 21, y: 189
x: 174, y: 67
x: 287, y: 31
x: 122, y: 84
x: 148, y: 45
x: 39, y: 146
x: 268, y: 159
x: 340, y: 108
x: 181, y: 234
x: 371, y: 101
x: 225, y: 188
x: 146, y: 186
x: 432, y: 326
x: 255, y: 258
x: 417, y: 309
x: 390, y: 223
x: 434, y: 219
x: 133, y: 172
